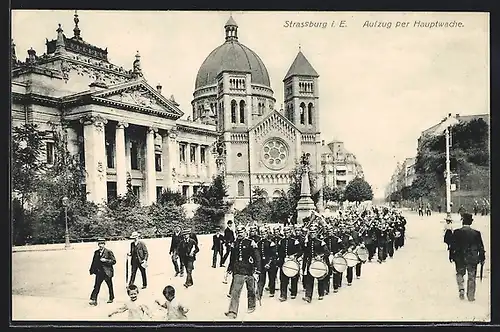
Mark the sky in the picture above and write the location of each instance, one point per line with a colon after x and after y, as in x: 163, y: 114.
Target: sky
x: 380, y: 84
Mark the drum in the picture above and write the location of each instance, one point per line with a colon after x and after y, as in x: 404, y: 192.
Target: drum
x: 318, y: 269
x: 351, y: 258
x: 290, y: 268
x: 362, y: 254
x: 339, y: 264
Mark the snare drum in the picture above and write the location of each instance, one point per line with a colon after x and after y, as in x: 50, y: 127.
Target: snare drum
x: 339, y: 264
x: 290, y: 268
x: 362, y: 254
x: 351, y: 258
x: 318, y: 269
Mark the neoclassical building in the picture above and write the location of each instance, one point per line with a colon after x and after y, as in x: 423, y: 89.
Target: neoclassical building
x: 122, y: 127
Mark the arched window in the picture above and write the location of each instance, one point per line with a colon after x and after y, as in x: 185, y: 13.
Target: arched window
x: 233, y: 111
x: 241, y: 188
x: 242, y: 111
x: 310, y: 113
x: 302, y: 113
x: 277, y: 194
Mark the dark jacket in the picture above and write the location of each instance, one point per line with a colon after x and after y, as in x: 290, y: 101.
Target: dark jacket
x: 228, y: 235
x: 467, y: 246
x: 268, y: 252
x: 334, y: 244
x: 288, y: 247
x: 176, y: 238
x: 218, y: 240
x: 194, y: 237
x: 313, y: 248
x: 185, y: 248
x: 107, y: 266
x: 138, y: 252
x: 247, y: 250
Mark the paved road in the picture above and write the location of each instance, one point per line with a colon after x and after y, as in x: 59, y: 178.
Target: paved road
x: 418, y: 284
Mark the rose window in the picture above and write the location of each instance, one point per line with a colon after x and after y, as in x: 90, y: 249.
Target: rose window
x: 275, y: 153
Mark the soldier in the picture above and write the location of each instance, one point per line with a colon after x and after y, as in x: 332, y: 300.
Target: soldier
x: 244, y: 261
x: 381, y: 242
x: 368, y: 236
x: 314, y: 249
x: 467, y: 250
x: 253, y: 233
x: 288, y: 248
x: 349, y: 244
x: 334, y: 246
x: 390, y: 239
x: 267, y: 250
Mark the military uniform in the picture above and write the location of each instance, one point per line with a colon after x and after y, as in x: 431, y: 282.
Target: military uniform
x: 314, y: 247
x: 288, y: 246
x: 334, y: 245
x: 268, y: 252
x: 244, y: 261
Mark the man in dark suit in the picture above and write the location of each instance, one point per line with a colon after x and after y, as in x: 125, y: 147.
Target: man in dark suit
x: 174, y: 244
x: 188, y: 248
x: 218, y: 240
x: 138, y: 259
x: 466, y: 250
x: 102, y: 267
x: 228, y: 241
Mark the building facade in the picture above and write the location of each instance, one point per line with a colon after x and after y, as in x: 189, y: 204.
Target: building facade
x: 123, y: 128
x: 338, y: 165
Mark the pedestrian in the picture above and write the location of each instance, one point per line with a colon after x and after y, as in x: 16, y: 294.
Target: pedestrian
x: 243, y: 263
x: 217, y: 247
x: 188, y: 248
x: 139, y: 259
x: 439, y: 208
x: 175, y: 310
x: 174, y: 255
x: 136, y: 311
x: 228, y: 241
x: 102, y: 266
x: 467, y: 251
x: 420, y: 210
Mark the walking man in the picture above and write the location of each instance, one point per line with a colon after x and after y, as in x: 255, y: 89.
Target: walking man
x: 228, y: 241
x: 467, y: 250
x: 138, y: 259
x: 218, y: 240
x: 102, y: 267
x: 188, y: 248
x: 174, y: 255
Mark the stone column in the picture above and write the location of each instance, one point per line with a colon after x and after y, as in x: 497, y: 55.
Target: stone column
x: 211, y: 164
x: 166, y: 160
x: 150, y: 167
x: 95, y: 157
x: 188, y: 159
x: 121, y: 160
x: 198, y: 160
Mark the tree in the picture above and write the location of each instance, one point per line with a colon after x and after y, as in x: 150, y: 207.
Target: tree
x: 332, y: 194
x: 170, y: 196
x: 213, y: 206
x: 280, y: 208
x: 358, y: 190
x: 258, y: 210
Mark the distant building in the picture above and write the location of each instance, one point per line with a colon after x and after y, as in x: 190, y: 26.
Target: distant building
x: 339, y: 166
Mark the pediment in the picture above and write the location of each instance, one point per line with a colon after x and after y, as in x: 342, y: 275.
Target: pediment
x: 275, y: 123
x: 138, y: 95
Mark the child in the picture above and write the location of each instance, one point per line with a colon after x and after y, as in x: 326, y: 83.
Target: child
x: 136, y: 311
x: 175, y: 310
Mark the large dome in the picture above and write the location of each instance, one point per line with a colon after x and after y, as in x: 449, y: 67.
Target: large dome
x: 232, y: 56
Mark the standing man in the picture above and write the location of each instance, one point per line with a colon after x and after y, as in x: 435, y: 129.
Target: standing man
x: 244, y: 262
x: 102, y: 267
x: 218, y: 241
x: 268, y: 253
x: 314, y: 248
x: 467, y: 250
x: 188, y: 248
x: 174, y: 244
x: 288, y: 248
x: 138, y: 259
x: 228, y: 241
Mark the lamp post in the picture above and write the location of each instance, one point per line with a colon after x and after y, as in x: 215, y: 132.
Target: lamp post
x: 448, y: 176
x: 67, y: 245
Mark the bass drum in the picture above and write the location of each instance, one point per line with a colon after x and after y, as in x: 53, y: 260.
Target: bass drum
x: 318, y: 269
x: 290, y: 268
x: 339, y: 264
x: 351, y: 258
x: 362, y: 254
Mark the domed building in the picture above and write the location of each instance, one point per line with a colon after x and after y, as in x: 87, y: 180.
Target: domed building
x: 258, y: 145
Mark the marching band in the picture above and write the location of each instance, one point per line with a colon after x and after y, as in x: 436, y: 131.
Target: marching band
x: 321, y: 250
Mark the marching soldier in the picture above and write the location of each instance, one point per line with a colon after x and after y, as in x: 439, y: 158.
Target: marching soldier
x: 253, y: 233
x: 467, y: 250
x: 288, y: 248
x: 267, y: 250
x: 349, y: 245
x: 314, y: 249
x: 381, y: 242
x: 244, y: 261
x: 390, y: 240
x: 334, y: 246
x: 369, y: 239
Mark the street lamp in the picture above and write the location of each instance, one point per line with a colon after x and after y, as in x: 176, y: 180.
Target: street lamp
x: 67, y: 245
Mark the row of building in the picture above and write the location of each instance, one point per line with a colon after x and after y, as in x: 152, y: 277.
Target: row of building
x: 404, y: 173
x: 123, y: 128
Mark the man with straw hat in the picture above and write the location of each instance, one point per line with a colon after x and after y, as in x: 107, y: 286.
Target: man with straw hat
x: 138, y: 259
